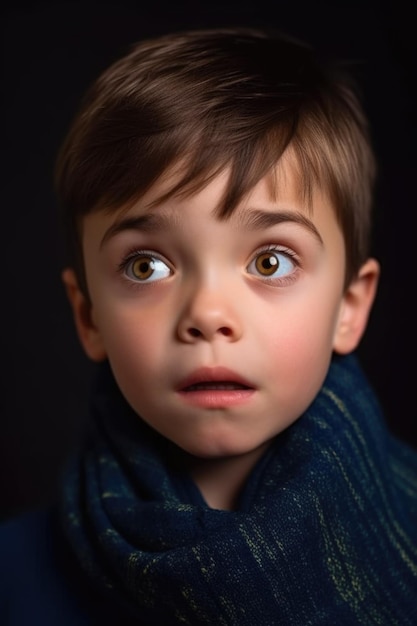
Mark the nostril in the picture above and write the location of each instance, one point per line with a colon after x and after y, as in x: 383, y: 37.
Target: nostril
x: 194, y: 332
x: 223, y: 330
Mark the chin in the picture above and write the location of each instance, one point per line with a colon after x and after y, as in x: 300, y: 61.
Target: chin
x: 212, y: 449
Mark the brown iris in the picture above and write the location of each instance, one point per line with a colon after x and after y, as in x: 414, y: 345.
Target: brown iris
x: 143, y: 267
x: 267, y: 264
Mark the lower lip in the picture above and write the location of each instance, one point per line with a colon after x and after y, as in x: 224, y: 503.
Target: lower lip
x: 217, y: 398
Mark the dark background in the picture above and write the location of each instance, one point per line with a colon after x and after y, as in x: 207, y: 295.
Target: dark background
x: 51, y: 53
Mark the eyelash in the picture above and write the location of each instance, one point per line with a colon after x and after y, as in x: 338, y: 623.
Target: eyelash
x: 281, y: 250
x: 135, y: 252
x: 130, y: 256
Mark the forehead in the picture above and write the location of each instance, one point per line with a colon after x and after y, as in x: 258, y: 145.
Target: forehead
x: 277, y: 198
x: 285, y: 180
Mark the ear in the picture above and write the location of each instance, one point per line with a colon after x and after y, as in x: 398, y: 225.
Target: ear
x: 355, y: 308
x: 88, y: 333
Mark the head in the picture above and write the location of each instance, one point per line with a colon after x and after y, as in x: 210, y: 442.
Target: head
x: 216, y: 188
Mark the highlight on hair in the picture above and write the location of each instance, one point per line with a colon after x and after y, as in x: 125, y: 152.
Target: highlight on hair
x: 233, y: 98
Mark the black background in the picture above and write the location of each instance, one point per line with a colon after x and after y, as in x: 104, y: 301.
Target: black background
x: 51, y: 53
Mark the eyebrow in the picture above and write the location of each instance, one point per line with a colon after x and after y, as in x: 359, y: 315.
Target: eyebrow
x: 258, y: 219
x: 254, y: 219
x: 150, y: 222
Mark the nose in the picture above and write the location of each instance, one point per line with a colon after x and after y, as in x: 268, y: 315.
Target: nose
x: 209, y: 314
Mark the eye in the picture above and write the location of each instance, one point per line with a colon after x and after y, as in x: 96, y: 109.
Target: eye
x: 145, y: 267
x: 272, y: 264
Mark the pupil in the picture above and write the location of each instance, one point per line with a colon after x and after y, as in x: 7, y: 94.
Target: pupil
x: 142, y: 268
x: 269, y: 262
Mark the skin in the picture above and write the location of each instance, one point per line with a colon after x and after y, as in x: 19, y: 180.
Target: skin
x: 263, y: 297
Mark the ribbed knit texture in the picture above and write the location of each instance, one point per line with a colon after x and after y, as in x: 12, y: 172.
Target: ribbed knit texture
x: 326, y: 531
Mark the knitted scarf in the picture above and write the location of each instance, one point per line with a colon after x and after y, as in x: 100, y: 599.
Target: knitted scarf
x: 325, y: 534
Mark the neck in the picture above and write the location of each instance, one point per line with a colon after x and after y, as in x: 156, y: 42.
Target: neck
x: 222, y: 480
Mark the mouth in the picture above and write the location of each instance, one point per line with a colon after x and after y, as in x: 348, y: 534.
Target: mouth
x: 216, y: 387
x: 214, y: 378
x: 219, y: 385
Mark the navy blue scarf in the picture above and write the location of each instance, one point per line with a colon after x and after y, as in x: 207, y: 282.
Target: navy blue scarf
x: 325, y: 533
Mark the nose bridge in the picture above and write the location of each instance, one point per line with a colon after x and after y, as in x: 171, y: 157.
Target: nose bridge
x: 209, y: 307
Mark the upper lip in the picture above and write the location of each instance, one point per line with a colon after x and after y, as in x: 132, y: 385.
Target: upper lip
x: 213, y: 374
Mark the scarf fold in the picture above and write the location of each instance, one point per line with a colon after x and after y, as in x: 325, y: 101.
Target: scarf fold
x: 326, y: 530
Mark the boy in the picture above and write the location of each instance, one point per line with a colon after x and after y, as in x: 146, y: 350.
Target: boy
x: 217, y: 189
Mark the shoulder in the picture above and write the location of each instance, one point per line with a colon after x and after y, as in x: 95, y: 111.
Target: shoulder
x: 40, y: 582
x: 33, y: 585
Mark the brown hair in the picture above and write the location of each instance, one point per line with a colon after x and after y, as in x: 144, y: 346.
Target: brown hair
x: 218, y: 98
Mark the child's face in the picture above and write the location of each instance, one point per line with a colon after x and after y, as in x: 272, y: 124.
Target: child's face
x: 219, y: 332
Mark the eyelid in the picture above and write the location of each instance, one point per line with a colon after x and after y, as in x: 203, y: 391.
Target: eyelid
x: 135, y: 252
x: 273, y: 247
x: 125, y: 268
x: 274, y: 280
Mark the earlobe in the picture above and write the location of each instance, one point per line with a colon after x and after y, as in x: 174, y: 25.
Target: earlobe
x: 356, y: 307
x: 88, y: 333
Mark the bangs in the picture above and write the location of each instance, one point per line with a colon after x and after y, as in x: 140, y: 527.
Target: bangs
x: 247, y: 163
x: 201, y: 103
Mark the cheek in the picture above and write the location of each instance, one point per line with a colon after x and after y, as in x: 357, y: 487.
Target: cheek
x: 305, y: 333
x: 135, y: 344
x: 308, y: 316
x: 300, y: 345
